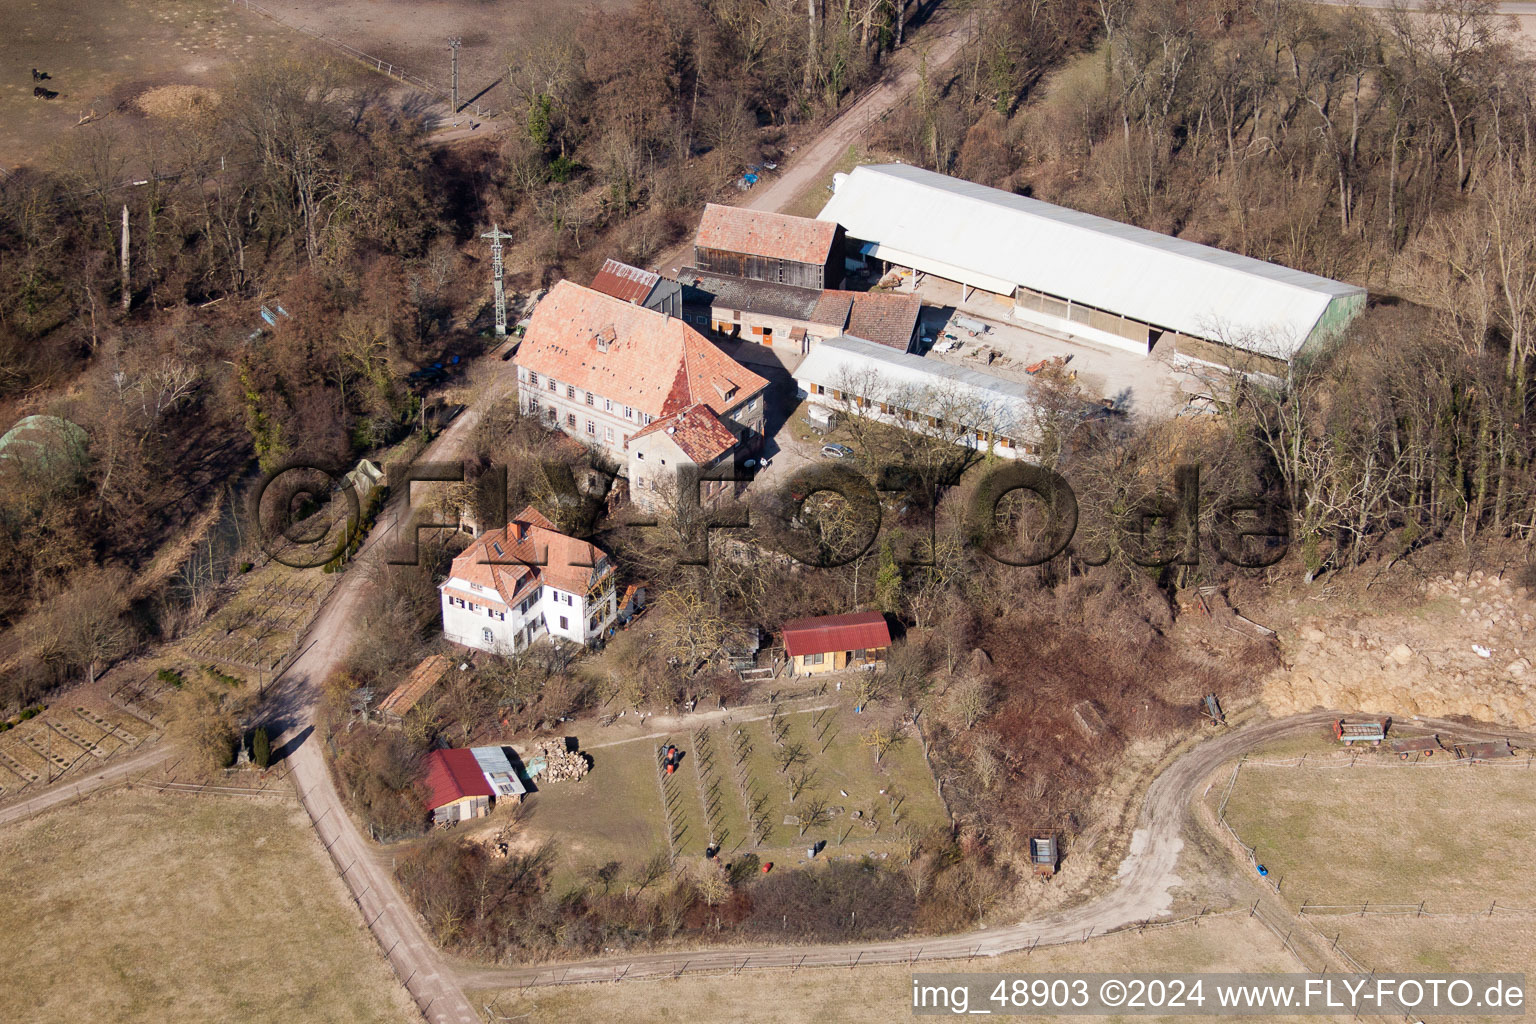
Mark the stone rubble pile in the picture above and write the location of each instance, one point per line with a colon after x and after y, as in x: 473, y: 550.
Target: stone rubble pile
x: 1466, y: 650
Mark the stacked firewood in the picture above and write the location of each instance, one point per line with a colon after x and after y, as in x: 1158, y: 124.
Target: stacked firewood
x: 560, y: 764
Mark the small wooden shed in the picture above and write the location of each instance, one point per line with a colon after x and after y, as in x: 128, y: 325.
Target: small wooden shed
x: 1043, y: 854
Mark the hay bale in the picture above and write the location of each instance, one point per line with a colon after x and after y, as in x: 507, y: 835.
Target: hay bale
x: 179, y: 104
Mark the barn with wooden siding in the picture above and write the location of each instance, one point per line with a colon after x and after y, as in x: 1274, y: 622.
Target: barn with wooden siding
x: 773, y: 247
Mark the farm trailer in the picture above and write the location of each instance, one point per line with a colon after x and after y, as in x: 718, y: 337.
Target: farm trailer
x: 1372, y: 730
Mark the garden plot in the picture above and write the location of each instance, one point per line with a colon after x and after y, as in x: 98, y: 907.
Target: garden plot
x: 263, y: 623
x: 830, y: 775
x: 75, y: 733
x: 772, y: 785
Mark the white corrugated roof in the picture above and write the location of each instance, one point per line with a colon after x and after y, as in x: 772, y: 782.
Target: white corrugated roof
x: 926, y: 386
x: 990, y: 235
x: 498, y: 771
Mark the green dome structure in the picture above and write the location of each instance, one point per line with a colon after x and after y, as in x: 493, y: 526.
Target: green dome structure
x: 43, y: 444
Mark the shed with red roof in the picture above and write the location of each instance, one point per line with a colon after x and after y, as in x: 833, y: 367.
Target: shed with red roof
x: 457, y: 787
x: 831, y: 643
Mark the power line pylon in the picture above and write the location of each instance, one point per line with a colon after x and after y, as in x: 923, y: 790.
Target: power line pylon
x: 497, y: 268
x: 453, y: 49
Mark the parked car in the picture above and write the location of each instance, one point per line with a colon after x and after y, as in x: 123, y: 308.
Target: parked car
x: 836, y: 451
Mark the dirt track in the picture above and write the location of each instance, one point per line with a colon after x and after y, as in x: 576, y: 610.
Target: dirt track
x: 1141, y: 893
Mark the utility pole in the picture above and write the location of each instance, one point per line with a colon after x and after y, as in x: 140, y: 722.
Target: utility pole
x: 127, y: 291
x: 453, y: 49
x: 496, y: 235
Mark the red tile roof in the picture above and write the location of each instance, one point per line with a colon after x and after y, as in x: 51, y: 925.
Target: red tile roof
x: 832, y: 308
x: 623, y: 281
x: 648, y: 360
x: 885, y: 318
x: 453, y: 775
x: 775, y: 235
x: 528, y: 552
x: 851, y: 632
x: 697, y: 431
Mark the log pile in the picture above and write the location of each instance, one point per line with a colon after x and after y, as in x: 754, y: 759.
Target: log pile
x: 560, y: 764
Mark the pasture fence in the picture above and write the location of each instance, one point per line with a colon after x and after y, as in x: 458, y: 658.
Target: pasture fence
x: 379, y: 64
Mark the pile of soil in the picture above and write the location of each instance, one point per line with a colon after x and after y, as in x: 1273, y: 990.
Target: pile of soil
x: 1464, y: 649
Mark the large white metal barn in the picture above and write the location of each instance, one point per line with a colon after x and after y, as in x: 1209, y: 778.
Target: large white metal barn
x: 1088, y: 276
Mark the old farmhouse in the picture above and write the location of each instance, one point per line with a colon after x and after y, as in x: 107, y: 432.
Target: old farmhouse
x: 796, y: 319
x: 528, y: 580
x: 776, y: 247
x: 1089, y: 277
x: 603, y: 370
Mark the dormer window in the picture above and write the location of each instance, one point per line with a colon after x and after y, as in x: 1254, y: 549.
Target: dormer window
x: 605, y: 337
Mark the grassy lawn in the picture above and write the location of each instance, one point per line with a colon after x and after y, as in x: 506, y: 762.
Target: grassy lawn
x: 612, y: 814
x: 615, y: 813
x: 99, y: 54
x: 1454, y: 837
x: 839, y: 763
x: 1406, y: 945
x: 884, y: 993
x: 134, y: 906
x: 727, y: 812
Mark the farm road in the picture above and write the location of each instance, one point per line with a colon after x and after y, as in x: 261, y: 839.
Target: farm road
x: 1141, y: 893
x: 395, y: 924
x: 109, y: 775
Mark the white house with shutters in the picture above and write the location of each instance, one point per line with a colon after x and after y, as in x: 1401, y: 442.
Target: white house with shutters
x: 514, y: 585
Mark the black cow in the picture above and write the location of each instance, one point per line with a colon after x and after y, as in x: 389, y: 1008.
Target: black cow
x: 40, y: 76
x: 39, y: 92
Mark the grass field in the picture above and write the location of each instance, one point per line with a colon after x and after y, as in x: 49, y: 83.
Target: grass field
x: 1456, y: 838
x: 99, y: 54
x: 612, y: 814
x: 884, y: 993
x: 132, y: 906
x: 617, y: 812
x: 810, y: 202
x: 1475, y: 943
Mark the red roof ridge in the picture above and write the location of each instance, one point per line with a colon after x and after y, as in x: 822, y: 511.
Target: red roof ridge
x: 846, y: 632
x: 453, y: 775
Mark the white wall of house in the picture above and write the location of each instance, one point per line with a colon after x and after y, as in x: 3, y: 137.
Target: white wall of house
x: 479, y: 619
x: 828, y: 397
x: 653, y: 463
x: 607, y: 423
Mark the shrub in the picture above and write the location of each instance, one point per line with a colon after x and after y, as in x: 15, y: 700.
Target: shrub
x: 261, y: 747
x: 170, y: 677
x: 31, y: 713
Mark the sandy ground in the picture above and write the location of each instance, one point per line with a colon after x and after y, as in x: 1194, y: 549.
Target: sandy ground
x: 414, y: 34
x: 95, y: 62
